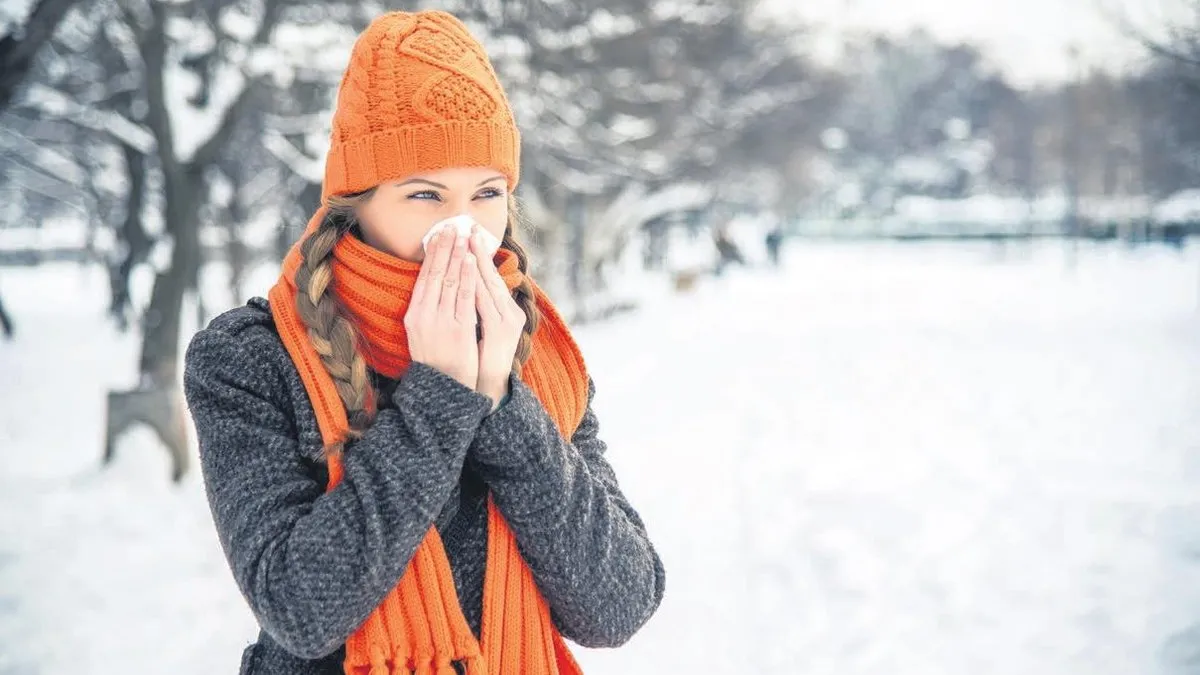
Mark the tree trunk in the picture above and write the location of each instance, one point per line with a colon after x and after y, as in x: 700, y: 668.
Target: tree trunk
x: 654, y: 256
x: 235, y: 248
x: 184, y: 191
x: 291, y: 231
x: 577, y: 270
x: 132, y: 235
x: 160, y: 342
x: 1071, y: 172
x: 157, y: 400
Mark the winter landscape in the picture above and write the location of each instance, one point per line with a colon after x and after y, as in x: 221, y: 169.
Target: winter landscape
x: 893, y: 311
x: 883, y: 457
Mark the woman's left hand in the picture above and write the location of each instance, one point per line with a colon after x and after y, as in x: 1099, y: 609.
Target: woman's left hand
x: 501, y: 322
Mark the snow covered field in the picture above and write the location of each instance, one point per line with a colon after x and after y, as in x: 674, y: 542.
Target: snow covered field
x: 916, y: 459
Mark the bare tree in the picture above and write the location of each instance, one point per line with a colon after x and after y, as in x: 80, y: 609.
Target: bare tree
x: 21, y: 44
x: 141, y: 55
x: 632, y: 98
x: 1167, y: 92
x: 18, y: 48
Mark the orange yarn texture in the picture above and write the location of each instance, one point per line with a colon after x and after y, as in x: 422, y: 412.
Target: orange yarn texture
x: 418, y: 95
x: 420, y: 627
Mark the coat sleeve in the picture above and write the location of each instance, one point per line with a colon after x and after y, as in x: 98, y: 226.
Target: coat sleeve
x: 587, y: 547
x: 313, y: 564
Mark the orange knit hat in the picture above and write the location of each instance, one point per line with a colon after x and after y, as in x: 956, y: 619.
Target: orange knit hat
x: 419, y: 95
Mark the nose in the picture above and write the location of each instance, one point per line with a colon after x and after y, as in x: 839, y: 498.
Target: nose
x: 460, y: 203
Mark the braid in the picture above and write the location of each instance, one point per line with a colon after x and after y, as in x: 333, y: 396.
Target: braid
x: 332, y: 335
x: 523, y: 294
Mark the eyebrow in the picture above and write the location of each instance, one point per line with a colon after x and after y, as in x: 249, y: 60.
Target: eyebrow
x: 439, y: 185
x: 422, y: 180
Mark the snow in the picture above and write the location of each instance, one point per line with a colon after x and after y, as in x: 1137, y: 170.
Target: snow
x: 652, y: 92
x: 922, y: 171
x: 834, y: 139
x: 56, y: 103
x: 694, y: 13
x: 323, y: 47
x: 574, y: 37
x: 999, y: 213
x: 49, y: 161
x: 308, y: 168
x: 235, y: 23
x: 627, y: 128
x: 188, y: 36
x: 1116, y: 209
x: 1183, y: 206
x: 913, y: 459
x: 69, y: 233
x: 257, y: 234
x: 193, y: 126
x: 634, y: 205
x: 1050, y: 207
x: 13, y: 15
x: 983, y: 209
x: 603, y: 24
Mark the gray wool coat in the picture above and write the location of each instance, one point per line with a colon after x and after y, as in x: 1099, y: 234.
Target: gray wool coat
x: 312, y: 565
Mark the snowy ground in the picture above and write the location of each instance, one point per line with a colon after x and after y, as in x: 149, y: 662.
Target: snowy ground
x: 887, y: 458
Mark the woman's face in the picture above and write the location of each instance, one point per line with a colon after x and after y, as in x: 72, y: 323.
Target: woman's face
x: 400, y: 212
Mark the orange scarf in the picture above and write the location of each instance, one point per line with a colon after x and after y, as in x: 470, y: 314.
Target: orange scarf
x: 420, y: 627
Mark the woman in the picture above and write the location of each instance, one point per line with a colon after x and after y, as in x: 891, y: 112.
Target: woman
x: 398, y: 448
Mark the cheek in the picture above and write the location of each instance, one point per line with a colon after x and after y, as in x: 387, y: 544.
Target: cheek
x: 493, y: 216
x: 395, y: 229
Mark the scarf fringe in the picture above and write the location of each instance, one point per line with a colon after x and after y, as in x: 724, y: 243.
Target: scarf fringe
x: 476, y: 666
x: 419, y: 627
x: 379, y: 661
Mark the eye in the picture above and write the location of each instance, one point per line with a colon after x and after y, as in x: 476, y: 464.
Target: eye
x: 426, y: 194
x: 489, y: 193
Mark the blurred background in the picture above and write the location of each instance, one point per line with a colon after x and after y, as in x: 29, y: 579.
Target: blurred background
x: 892, y: 308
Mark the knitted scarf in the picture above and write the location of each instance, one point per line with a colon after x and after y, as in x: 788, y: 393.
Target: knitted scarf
x: 420, y: 627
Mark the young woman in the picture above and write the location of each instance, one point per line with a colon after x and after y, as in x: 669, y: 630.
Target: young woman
x: 398, y: 447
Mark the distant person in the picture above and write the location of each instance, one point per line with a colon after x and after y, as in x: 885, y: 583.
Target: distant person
x: 393, y: 493
x: 6, y: 324
x: 1174, y: 235
x: 774, y: 241
x: 728, y: 252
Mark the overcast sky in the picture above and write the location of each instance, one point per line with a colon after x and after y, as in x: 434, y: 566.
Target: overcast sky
x: 1029, y: 39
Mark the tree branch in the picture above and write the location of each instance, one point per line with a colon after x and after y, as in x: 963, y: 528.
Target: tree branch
x: 153, y: 46
x: 207, y: 153
x: 1156, y: 47
x: 110, y: 123
x: 297, y: 162
x: 16, y: 54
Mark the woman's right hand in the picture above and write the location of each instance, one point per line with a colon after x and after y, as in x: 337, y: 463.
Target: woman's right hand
x: 441, y: 316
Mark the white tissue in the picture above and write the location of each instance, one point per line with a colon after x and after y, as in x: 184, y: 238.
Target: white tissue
x: 463, y: 224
